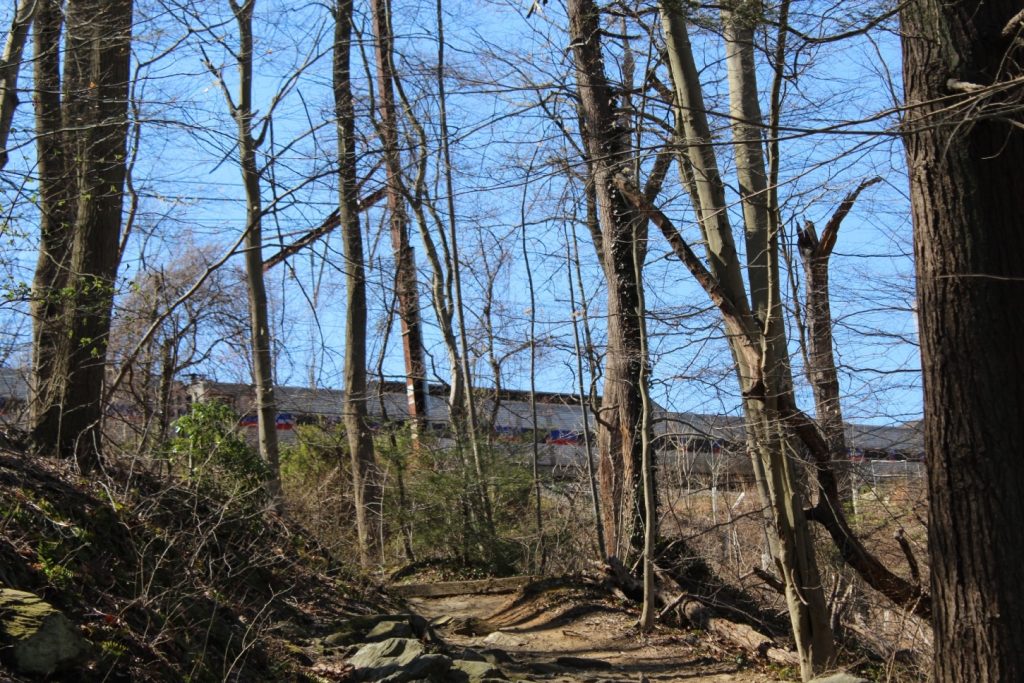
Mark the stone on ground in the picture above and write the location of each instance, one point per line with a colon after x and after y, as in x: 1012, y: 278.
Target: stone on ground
x: 397, y: 659
x: 39, y: 640
x: 474, y: 672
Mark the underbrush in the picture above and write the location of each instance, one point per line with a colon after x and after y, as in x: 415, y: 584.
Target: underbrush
x: 169, y: 580
x: 722, y: 521
x: 434, y: 511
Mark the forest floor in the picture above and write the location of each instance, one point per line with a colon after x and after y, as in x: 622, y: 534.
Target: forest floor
x: 569, y: 631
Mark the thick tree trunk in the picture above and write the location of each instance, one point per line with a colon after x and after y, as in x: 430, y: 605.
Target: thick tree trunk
x: 81, y: 148
x: 965, y: 153
x: 360, y: 443
x: 56, y: 189
x: 608, y: 148
x: 405, y: 260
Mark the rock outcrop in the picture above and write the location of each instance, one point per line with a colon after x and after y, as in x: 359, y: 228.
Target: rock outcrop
x: 36, y: 638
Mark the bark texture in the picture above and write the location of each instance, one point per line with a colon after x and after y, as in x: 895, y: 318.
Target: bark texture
x: 608, y: 149
x: 259, y: 320
x: 81, y: 125
x: 405, y: 260
x: 10, y: 67
x: 753, y: 321
x: 966, y: 159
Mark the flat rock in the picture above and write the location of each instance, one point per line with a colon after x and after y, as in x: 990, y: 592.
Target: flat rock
x: 496, y: 656
x: 503, y: 639
x: 546, y: 668
x: 386, y: 630
x: 470, y: 655
x: 377, y: 627
x: 398, y: 659
x: 39, y: 640
x: 474, y: 672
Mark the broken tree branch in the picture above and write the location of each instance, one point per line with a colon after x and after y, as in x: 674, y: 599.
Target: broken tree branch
x: 328, y: 224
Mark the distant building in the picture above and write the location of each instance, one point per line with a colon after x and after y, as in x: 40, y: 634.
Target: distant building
x: 13, y: 397
x: 691, y: 442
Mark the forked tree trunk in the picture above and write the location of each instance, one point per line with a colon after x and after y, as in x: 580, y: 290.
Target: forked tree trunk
x: 756, y: 330
x: 826, y: 440
x: 608, y: 148
x: 82, y: 126
x: 965, y: 153
x: 815, y: 253
x: 360, y: 443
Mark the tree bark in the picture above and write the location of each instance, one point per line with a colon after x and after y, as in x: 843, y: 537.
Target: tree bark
x: 965, y: 153
x: 755, y: 326
x: 10, y: 67
x: 608, y: 148
x: 82, y: 128
x: 405, y: 260
x: 815, y: 253
x: 259, y: 320
x: 360, y: 443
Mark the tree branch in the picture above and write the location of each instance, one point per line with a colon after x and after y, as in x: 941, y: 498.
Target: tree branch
x: 328, y: 224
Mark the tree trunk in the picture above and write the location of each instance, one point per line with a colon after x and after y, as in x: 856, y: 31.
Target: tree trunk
x: 405, y: 260
x: 821, y: 361
x: 608, y: 147
x: 259, y: 320
x: 965, y: 153
x: 755, y: 325
x: 360, y: 443
x: 815, y: 253
x: 82, y: 129
x: 584, y: 397
x: 10, y: 67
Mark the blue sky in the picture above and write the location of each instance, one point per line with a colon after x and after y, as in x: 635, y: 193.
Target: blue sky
x: 500, y: 66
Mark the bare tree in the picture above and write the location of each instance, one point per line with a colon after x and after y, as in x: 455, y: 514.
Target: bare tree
x: 248, y: 144
x: 755, y: 326
x: 360, y: 442
x: 10, y: 68
x: 405, y: 259
x: 608, y: 153
x: 815, y: 253
x: 185, y: 336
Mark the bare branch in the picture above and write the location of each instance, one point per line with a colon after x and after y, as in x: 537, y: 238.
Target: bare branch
x: 328, y: 224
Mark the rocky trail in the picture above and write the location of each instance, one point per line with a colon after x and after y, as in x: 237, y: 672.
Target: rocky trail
x: 558, y: 631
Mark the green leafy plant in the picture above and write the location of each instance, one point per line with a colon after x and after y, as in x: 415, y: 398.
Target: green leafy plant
x: 52, y: 566
x: 212, y: 452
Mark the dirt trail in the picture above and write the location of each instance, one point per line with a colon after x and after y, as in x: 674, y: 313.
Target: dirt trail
x: 571, y: 634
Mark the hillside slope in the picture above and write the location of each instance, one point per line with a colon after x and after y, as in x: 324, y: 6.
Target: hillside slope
x: 167, y: 583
